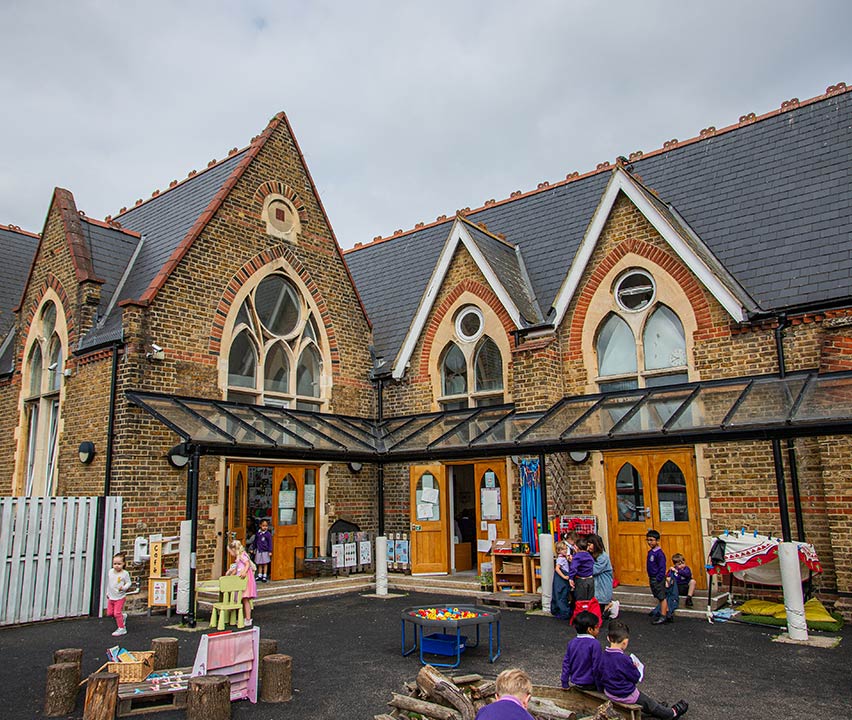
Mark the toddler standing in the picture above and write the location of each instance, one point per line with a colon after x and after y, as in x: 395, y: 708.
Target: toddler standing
x: 118, y: 583
x: 243, y: 567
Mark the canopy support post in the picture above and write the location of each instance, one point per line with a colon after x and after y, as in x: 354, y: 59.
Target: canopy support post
x: 192, y: 498
x: 781, y: 487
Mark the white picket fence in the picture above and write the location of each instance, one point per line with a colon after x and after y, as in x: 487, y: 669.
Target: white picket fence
x: 47, y: 551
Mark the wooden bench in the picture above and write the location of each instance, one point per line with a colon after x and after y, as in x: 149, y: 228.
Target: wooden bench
x: 164, y: 690
x: 585, y: 701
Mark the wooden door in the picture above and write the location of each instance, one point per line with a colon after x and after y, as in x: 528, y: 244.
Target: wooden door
x: 288, y: 498
x: 492, y: 502
x: 237, y: 502
x: 430, y: 527
x: 652, y: 490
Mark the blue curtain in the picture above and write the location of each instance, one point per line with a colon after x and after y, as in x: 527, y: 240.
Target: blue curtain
x: 530, y: 502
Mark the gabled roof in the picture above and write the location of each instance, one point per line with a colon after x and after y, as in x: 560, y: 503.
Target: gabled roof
x: 503, y: 270
x: 764, y: 204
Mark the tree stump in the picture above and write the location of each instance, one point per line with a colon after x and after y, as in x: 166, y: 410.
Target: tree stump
x: 74, y: 655
x: 208, y: 698
x: 268, y: 646
x: 60, y: 695
x: 276, y: 678
x: 101, y: 696
x: 165, y: 652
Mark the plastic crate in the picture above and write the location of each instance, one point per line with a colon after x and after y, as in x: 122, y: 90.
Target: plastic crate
x: 442, y: 644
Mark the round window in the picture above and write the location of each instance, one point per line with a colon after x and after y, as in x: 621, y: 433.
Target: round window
x: 469, y: 323
x: 277, y: 304
x: 635, y: 290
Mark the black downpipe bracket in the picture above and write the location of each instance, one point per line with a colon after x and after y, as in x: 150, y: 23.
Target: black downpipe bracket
x: 100, y: 521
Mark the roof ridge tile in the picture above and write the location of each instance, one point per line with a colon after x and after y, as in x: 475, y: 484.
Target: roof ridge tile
x: 673, y: 144
x: 19, y: 230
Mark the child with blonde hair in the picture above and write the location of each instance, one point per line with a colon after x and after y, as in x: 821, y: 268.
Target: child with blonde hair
x: 118, y: 583
x: 243, y: 567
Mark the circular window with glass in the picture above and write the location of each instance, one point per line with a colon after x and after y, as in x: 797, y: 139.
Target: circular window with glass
x: 635, y: 290
x: 469, y: 323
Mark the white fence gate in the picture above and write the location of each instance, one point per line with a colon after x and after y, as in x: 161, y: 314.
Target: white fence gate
x: 47, y: 551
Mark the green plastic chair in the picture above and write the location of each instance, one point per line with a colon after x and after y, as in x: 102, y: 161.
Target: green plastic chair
x: 229, y: 609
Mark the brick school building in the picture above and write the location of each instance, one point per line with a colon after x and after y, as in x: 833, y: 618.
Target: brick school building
x: 645, y: 330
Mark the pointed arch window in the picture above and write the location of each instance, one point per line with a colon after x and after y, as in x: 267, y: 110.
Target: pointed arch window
x: 643, y: 344
x: 275, y: 355
x: 481, y: 363
x: 43, y: 372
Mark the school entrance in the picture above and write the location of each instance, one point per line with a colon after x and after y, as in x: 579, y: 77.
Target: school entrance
x: 656, y: 489
x: 283, y: 495
x: 455, y: 508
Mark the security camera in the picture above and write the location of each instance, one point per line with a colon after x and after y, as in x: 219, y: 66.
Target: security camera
x: 53, y: 366
x: 156, y: 348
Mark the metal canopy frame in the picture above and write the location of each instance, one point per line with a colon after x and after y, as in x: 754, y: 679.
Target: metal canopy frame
x: 762, y: 407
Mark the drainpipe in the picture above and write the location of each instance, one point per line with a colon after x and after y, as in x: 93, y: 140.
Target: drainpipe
x: 543, y: 486
x: 192, y: 477
x: 380, y: 467
x: 791, y: 444
x: 100, y: 529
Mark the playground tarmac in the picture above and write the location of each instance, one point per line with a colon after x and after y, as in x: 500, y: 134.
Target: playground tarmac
x: 347, y: 660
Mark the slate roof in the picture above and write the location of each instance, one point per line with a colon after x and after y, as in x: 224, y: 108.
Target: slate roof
x: 163, y: 222
x: 508, y: 265
x: 17, y: 250
x: 771, y: 198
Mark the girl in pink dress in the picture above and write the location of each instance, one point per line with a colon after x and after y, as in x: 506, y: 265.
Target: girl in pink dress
x: 243, y: 567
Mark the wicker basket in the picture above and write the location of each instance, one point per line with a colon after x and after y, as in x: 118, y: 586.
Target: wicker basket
x: 512, y: 568
x: 132, y: 672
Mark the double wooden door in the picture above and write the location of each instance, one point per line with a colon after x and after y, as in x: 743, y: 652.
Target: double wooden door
x: 652, y: 490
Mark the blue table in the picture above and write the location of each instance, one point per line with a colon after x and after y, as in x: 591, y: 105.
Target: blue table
x: 450, y: 642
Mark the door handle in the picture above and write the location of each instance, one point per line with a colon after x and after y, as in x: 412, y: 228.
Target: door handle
x: 416, y: 528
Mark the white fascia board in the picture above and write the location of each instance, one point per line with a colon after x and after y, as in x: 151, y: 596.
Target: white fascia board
x: 458, y: 234
x: 620, y: 181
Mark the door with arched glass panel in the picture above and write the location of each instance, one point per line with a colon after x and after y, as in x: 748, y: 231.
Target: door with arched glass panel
x: 430, y: 537
x: 652, y: 489
x: 288, y: 501
x: 237, y: 508
x: 492, y: 503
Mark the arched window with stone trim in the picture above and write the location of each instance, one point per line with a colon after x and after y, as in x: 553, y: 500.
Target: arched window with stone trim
x: 43, y: 370
x: 275, y: 356
x: 471, y: 375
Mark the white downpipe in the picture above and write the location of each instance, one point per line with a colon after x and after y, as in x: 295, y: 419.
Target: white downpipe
x: 545, y: 546
x: 183, y: 567
x: 791, y: 582
x: 381, y: 565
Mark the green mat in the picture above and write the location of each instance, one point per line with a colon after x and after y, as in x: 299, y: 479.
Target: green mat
x: 782, y: 622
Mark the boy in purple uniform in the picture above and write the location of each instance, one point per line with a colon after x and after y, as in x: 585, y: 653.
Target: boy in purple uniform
x: 514, y: 690
x: 582, y: 653
x: 581, y: 572
x: 682, y: 577
x: 656, y: 567
x: 617, y: 675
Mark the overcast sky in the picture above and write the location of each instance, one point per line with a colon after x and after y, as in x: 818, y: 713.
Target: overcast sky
x: 404, y: 111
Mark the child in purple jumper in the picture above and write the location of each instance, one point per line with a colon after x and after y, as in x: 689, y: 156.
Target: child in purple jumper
x: 617, y: 675
x: 582, y: 572
x: 263, y: 551
x: 582, y: 653
x: 656, y: 567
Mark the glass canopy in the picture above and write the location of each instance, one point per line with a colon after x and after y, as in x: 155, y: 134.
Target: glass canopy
x: 760, y: 407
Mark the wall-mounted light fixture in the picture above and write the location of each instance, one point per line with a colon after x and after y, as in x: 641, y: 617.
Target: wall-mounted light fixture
x: 178, y: 456
x: 579, y: 456
x: 86, y: 451
x: 355, y: 466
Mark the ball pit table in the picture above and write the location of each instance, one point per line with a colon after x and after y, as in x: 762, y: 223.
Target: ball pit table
x: 446, y: 623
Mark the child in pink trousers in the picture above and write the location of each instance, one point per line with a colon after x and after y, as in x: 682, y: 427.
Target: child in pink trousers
x: 243, y: 567
x: 118, y: 583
